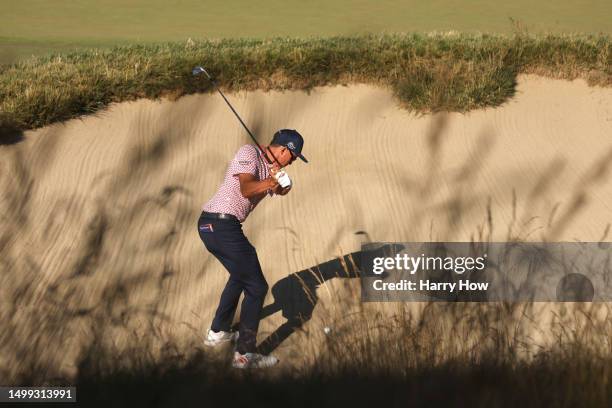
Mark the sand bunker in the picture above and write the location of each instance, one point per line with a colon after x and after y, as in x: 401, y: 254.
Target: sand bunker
x: 99, y: 215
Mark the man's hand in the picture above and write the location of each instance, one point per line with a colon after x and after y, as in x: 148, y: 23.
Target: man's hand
x: 279, y: 190
x: 283, y: 179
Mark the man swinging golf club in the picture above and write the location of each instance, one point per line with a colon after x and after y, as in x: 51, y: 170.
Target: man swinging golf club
x: 253, y: 173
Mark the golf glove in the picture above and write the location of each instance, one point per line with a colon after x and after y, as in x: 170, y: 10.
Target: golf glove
x: 283, y: 179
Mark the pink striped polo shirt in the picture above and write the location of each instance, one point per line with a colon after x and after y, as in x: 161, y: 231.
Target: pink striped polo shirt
x: 228, y: 198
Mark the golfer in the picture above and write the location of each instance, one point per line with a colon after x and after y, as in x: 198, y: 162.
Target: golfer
x: 249, y: 178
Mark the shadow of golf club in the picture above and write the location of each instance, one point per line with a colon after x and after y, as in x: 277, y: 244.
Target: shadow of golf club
x: 296, y: 294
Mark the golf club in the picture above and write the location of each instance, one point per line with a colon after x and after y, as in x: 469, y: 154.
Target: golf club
x: 200, y: 70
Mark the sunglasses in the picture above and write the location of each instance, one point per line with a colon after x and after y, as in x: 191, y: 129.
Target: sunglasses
x: 293, y: 155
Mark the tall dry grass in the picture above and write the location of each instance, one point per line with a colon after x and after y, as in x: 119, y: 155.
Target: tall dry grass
x: 420, y: 354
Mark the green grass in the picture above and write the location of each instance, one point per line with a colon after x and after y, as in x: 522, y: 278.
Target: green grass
x: 107, y: 23
x: 453, y: 72
x: 13, y: 50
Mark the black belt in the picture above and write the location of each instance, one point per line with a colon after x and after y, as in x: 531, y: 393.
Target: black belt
x: 219, y: 216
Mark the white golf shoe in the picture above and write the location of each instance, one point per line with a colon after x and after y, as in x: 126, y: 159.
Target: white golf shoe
x: 253, y: 360
x: 220, y: 337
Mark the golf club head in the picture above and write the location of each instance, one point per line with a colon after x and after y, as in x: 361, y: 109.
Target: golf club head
x: 197, y: 71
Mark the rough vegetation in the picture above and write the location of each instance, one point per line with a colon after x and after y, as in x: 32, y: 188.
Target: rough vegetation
x: 427, y: 72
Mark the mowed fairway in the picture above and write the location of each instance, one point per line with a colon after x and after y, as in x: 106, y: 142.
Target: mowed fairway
x: 34, y: 27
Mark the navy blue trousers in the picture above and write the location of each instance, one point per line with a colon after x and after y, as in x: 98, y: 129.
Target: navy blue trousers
x: 225, y: 240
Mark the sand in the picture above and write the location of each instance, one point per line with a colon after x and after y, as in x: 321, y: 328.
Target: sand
x: 99, y: 214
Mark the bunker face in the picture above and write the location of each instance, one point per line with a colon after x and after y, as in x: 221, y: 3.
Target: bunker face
x: 100, y: 213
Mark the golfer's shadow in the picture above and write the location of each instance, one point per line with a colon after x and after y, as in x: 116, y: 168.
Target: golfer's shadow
x: 296, y: 295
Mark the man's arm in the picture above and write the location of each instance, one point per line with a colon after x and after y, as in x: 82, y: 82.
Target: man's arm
x: 250, y: 187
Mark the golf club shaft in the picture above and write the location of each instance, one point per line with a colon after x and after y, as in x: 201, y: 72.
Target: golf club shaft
x: 214, y: 83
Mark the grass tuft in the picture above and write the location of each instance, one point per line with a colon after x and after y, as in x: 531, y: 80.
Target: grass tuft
x: 427, y: 72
